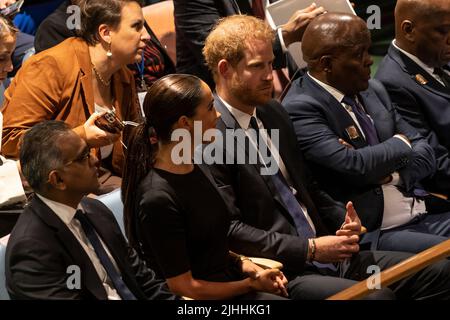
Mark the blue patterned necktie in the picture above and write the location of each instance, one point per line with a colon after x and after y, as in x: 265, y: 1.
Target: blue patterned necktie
x: 364, y: 121
x: 295, y: 210
x: 302, y: 225
x: 116, y: 279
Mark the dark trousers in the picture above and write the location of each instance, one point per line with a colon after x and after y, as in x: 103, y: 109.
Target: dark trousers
x: 432, y: 282
x: 420, y: 234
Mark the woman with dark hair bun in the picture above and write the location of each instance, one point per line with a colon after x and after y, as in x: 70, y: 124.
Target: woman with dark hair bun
x: 174, y: 213
x: 79, y: 80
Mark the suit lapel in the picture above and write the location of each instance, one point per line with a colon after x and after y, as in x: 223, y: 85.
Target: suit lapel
x: 417, y: 73
x: 91, y: 280
x: 81, y: 51
x: 114, y: 240
x: 231, y: 123
x: 343, y: 124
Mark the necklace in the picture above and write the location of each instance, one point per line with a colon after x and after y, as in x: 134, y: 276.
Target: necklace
x: 103, y: 81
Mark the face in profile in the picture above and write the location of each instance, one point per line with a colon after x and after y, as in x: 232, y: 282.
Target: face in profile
x: 205, y: 111
x: 252, y: 78
x: 350, y: 67
x: 7, y: 46
x: 127, y: 41
x: 433, y: 39
x: 79, y: 171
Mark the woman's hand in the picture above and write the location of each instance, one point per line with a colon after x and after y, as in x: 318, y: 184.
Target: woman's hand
x: 94, y: 136
x: 271, y: 281
x: 6, y: 3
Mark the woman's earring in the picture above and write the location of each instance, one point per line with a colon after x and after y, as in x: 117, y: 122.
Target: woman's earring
x: 109, y: 53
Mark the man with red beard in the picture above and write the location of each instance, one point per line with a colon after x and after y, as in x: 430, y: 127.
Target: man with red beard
x: 282, y: 215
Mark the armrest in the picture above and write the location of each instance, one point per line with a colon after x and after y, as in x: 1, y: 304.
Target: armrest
x: 398, y: 271
x: 267, y: 263
x: 442, y: 196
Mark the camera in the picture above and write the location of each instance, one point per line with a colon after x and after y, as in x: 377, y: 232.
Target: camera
x: 110, y: 122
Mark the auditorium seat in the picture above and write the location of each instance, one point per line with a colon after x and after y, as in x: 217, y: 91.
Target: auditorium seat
x: 114, y: 202
x: 3, y: 292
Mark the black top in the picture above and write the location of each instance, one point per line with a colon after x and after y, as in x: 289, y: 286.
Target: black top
x: 183, y: 226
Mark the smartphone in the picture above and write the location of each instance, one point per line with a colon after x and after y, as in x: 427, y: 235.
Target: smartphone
x: 12, y: 9
x: 109, y: 122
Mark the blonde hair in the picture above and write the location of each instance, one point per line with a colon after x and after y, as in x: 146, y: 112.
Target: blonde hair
x: 229, y: 39
x: 7, y: 28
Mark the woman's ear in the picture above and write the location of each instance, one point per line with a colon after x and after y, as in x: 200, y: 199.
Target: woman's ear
x: 184, y: 123
x: 104, y: 32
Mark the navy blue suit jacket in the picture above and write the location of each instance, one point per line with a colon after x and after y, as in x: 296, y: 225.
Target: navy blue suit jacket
x: 261, y: 224
x: 354, y: 173
x: 193, y: 22
x: 426, y: 106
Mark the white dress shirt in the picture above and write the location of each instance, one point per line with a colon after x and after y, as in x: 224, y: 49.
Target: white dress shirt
x: 398, y: 209
x: 67, y: 214
x: 243, y: 120
x: 419, y: 62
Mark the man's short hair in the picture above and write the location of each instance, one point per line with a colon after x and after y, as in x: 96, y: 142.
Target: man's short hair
x: 39, y: 151
x: 229, y: 39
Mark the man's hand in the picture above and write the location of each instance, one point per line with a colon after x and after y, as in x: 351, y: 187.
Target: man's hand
x: 345, y: 143
x: 293, y: 30
x: 335, y: 248
x: 6, y: 3
x: 352, y: 223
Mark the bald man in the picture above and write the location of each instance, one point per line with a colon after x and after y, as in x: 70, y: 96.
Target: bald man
x: 359, y: 148
x: 416, y: 73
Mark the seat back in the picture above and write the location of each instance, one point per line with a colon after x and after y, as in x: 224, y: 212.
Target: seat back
x: 114, y: 203
x: 3, y: 292
x: 159, y: 17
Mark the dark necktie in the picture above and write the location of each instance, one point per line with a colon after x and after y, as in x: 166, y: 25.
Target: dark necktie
x: 364, y: 121
x: 444, y: 76
x: 302, y: 225
x: 116, y: 279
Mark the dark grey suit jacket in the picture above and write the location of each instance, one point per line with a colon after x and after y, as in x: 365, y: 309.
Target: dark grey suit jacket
x: 354, y: 174
x: 261, y: 224
x: 194, y: 19
x: 41, y: 248
x: 425, y: 105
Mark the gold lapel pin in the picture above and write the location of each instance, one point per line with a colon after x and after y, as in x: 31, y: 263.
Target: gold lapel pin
x: 352, y: 132
x: 420, y: 79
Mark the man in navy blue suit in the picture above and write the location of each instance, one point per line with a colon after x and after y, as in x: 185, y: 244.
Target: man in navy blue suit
x: 416, y: 73
x: 360, y: 149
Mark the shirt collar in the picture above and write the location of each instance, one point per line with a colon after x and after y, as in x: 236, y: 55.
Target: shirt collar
x: 338, y: 95
x: 64, y: 212
x: 415, y: 59
x: 242, y: 118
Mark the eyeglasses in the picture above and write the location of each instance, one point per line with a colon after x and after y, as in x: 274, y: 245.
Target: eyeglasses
x: 85, y: 155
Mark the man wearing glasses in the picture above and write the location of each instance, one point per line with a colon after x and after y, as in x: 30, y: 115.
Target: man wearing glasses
x: 64, y: 245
